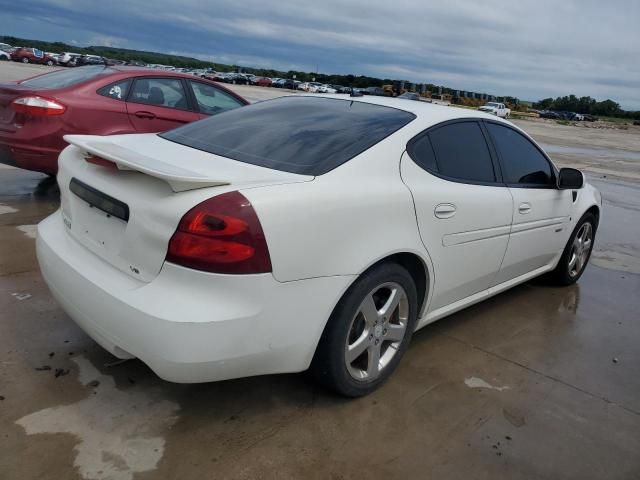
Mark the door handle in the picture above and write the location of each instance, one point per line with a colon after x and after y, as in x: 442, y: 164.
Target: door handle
x: 524, y: 208
x: 445, y: 210
x: 143, y: 114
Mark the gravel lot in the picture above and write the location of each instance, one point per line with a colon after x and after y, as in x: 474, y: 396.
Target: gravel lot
x: 536, y: 383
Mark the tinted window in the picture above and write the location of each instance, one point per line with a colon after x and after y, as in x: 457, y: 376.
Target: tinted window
x: 521, y: 160
x: 67, y: 77
x: 212, y: 100
x: 462, y: 153
x: 162, y: 92
x: 117, y: 91
x: 303, y: 135
x: 422, y: 153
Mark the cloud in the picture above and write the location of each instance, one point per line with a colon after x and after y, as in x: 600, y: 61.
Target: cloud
x: 530, y: 48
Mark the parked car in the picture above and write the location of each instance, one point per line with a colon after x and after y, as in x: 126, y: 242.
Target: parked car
x: 549, y: 114
x: 236, y: 79
x: 241, y: 245
x: 263, y: 82
x: 5, y: 47
x: 589, y: 118
x: 83, y: 60
x: 36, y: 113
x: 341, y: 89
x: 378, y: 91
x: 497, y: 109
x: 410, y: 96
x: 326, y: 89
x: 32, y: 55
x: 313, y: 87
x: 68, y: 59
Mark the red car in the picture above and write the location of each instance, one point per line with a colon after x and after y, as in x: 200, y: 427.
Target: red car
x: 263, y: 82
x: 98, y: 100
x: 32, y: 55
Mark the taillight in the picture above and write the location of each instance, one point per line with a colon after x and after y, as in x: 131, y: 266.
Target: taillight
x: 38, y: 106
x: 221, y: 235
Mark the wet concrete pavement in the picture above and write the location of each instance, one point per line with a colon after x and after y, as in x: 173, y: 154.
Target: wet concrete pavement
x: 536, y: 383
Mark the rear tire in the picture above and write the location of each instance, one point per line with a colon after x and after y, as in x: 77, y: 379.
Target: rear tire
x: 25, y: 60
x: 50, y: 63
x: 368, y: 332
x: 576, y: 253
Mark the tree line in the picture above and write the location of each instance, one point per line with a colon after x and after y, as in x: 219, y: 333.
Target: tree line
x: 570, y: 103
x: 588, y: 105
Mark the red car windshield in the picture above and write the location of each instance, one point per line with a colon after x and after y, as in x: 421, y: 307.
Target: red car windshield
x: 68, y: 77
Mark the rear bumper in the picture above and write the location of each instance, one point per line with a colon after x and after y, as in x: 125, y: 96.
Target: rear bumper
x: 39, y: 159
x: 189, y: 326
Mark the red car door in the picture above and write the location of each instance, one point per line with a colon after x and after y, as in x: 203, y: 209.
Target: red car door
x: 158, y: 104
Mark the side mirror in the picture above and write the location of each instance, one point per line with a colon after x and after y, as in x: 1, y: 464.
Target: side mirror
x: 570, y: 179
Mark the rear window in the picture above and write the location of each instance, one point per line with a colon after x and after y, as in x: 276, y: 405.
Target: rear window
x: 68, y: 77
x: 304, y: 135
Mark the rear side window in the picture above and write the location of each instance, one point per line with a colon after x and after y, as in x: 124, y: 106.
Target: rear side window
x: 117, y: 90
x: 67, y: 77
x: 457, y: 151
x: 212, y: 100
x: 304, y: 135
x: 522, y: 162
x: 162, y: 92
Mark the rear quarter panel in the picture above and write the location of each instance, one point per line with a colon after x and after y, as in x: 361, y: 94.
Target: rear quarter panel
x: 341, y: 222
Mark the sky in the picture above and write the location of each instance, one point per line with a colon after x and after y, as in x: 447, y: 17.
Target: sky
x: 524, y: 48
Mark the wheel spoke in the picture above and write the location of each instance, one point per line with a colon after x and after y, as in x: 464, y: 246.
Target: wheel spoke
x: 587, y: 244
x: 395, y: 333
x: 572, y: 262
x: 358, y: 347
x: 578, y: 263
x: 369, y: 310
x: 391, y: 304
x: 373, y: 365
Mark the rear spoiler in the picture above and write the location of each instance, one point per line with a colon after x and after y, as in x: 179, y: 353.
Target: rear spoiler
x: 179, y: 179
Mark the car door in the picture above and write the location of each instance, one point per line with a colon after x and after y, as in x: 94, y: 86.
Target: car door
x: 210, y: 100
x: 463, y: 210
x: 158, y: 104
x: 541, y: 211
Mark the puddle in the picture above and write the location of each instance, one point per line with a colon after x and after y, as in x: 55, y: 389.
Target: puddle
x: 119, y: 431
x: 28, y: 230
x: 609, y: 153
x: 475, y: 382
x: 6, y: 209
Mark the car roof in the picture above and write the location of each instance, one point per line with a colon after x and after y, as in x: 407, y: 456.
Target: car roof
x: 425, y: 112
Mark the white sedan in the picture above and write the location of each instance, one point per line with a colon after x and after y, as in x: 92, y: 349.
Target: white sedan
x: 304, y: 232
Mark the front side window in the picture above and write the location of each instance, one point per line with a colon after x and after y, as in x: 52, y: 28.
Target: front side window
x: 458, y: 151
x: 212, y: 100
x: 161, y: 92
x: 117, y: 90
x: 522, y: 162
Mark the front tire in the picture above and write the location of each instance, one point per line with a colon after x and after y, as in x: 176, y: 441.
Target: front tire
x: 368, y: 332
x: 25, y: 60
x: 576, y: 253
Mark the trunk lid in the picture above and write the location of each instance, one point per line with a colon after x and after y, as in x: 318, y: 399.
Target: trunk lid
x: 156, y: 180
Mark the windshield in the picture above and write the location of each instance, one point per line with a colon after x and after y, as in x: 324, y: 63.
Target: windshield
x: 491, y: 104
x: 304, y: 135
x: 67, y: 77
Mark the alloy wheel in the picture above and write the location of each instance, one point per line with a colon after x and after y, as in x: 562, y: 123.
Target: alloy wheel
x: 376, y: 331
x: 580, y: 249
